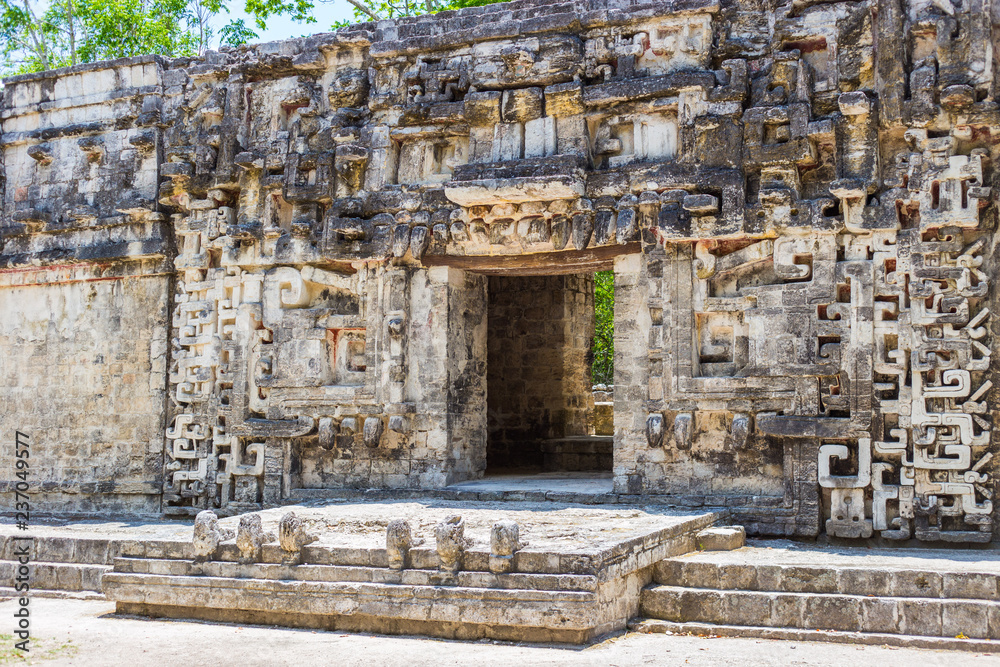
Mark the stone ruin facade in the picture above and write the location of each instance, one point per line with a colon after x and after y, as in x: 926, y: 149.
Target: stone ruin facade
x: 362, y: 259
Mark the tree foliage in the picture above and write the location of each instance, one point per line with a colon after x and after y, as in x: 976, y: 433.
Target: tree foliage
x: 33, y: 40
x: 125, y: 28
x: 374, y: 10
x: 298, y: 10
x: 603, y: 369
x: 36, y: 35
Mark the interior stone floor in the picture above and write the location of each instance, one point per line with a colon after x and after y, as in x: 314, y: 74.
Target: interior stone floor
x: 562, y: 482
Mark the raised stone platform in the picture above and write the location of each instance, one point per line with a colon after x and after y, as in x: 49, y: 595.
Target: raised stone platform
x: 578, y: 576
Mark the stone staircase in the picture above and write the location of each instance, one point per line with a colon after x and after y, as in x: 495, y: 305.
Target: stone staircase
x: 540, y: 607
x: 59, y: 566
x: 897, y: 597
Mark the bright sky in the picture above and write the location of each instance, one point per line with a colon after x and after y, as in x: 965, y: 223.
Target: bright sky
x: 282, y: 27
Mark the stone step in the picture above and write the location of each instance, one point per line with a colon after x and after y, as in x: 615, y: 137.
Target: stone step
x: 453, y: 611
x: 653, y: 625
x: 357, y: 574
x: 935, y: 617
x: 58, y: 576
x: 758, y: 569
x: 63, y: 549
x: 7, y: 592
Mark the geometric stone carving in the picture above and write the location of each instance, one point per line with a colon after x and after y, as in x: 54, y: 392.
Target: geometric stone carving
x: 802, y: 242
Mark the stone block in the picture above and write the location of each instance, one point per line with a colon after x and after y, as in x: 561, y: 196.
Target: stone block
x: 746, y: 608
x: 45, y: 576
x: 700, y: 575
x: 669, y: 572
x: 965, y: 617
x: 737, y: 577
x: 769, y: 577
x: 864, y: 581
x: 917, y: 584
x: 564, y: 99
x: 522, y: 105
x: 721, y: 538
x: 832, y: 612
x: 879, y: 615
x: 808, y: 579
x: 993, y: 621
x: 970, y: 585
x: 702, y: 606
x: 69, y: 577
x: 920, y: 617
x: 662, y: 603
x: 59, y: 549
x: 787, y: 611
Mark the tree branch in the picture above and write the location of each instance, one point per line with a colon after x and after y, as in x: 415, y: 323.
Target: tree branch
x: 72, y: 33
x: 36, y: 37
x: 364, y: 9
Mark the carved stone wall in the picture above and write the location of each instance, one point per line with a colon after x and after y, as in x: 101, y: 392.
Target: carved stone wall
x: 798, y: 198
x: 84, y: 287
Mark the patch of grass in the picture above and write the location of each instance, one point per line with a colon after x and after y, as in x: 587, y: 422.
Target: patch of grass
x: 41, y: 649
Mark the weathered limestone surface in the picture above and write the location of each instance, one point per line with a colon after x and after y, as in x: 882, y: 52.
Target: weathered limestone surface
x: 82, y: 363
x: 787, y: 586
x: 227, y: 279
x: 84, y: 288
x: 721, y: 538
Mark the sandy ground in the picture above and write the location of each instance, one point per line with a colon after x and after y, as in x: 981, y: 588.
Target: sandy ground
x: 74, y: 632
x: 544, y: 525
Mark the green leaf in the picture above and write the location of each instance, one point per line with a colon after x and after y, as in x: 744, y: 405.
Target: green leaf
x: 236, y: 32
x: 603, y: 368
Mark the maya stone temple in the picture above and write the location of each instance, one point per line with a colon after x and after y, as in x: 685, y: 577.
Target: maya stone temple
x: 360, y: 265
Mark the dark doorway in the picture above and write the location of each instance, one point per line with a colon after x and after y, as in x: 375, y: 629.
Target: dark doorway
x: 540, y: 399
